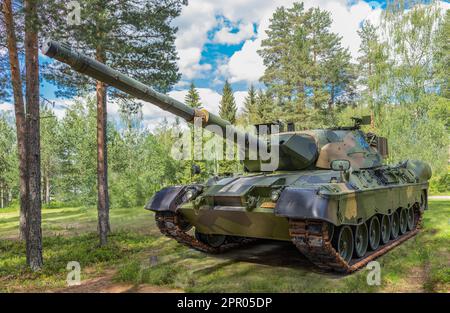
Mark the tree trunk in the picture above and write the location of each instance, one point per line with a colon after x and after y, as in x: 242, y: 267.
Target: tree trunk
x: 19, y: 110
x: 102, y: 159
x: 33, y: 216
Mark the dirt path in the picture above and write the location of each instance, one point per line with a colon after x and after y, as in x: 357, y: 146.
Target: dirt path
x: 105, y: 284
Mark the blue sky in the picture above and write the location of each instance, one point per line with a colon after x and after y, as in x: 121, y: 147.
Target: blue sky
x: 218, y: 41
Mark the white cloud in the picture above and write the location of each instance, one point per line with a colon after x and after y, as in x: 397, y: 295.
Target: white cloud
x: 194, y: 22
x: 193, y: 25
x: 347, y: 20
x: 181, y: 84
x: 227, y: 36
x: 245, y: 64
x: 189, y: 62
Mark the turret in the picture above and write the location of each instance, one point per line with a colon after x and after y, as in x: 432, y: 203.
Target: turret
x: 283, y: 151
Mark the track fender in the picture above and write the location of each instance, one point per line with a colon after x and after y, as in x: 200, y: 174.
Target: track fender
x: 167, y: 199
x: 305, y: 203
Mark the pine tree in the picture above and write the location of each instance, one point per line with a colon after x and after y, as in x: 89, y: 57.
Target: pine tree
x: 306, y: 65
x: 227, y: 108
x: 227, y: 111
x: 266, y: 110
x: 27, y: 125
x: 250, y: 106
x: 19, y: 109
x: 192, y: 98
x: 276, y: 53
x: 320, y: 41
x: 372, y: 66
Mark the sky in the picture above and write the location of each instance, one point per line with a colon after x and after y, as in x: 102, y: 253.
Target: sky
x: 219, y: 40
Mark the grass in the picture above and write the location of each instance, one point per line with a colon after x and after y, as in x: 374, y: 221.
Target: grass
x: 69, y: 235
x: 140, y: 255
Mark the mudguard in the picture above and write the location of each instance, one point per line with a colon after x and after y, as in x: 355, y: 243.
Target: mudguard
x: 167, y: 199
x: 304, y: 203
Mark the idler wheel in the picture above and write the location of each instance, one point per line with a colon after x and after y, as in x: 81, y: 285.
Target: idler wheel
x: 361, y: 240
x: 343, y: 242
x: 385, y: 229
x: 403, y: 221
x: 395, y: 225
x: 374, y: 233
x: 410, y: 218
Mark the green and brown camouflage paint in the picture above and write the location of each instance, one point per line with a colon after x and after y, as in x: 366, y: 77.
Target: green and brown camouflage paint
x: 241, y: 206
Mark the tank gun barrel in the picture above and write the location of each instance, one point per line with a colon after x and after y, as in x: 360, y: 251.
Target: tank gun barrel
x: 101, y: 72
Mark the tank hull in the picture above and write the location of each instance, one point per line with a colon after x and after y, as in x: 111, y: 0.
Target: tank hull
x: 344, y: 209
x: 312, y: 209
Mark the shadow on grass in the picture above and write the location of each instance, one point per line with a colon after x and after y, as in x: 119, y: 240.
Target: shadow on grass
x: 271, y: 253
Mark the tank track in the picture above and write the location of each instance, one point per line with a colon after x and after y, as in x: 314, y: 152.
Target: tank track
x: 170, y: 225
x: 312, y: 239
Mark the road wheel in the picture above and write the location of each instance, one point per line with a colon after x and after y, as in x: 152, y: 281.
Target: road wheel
x: 385, y: 229
x: 214, y: 241
x: 374, y: 233
x: 395, y: 225
x: 403, y: 221
x: 343, y: 242
x: 410, y: 218
x: 361, y: 240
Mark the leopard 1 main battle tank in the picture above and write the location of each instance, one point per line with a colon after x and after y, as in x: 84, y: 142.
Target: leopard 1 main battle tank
x: 328, y: 193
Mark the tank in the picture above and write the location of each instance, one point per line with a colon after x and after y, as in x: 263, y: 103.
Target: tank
x: 329, y: 193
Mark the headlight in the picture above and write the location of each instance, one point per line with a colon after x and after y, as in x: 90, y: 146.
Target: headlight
x: 190, y: 194
x: 275, y: 195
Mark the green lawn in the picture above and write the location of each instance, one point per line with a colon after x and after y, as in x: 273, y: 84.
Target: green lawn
x: 138, y: 254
